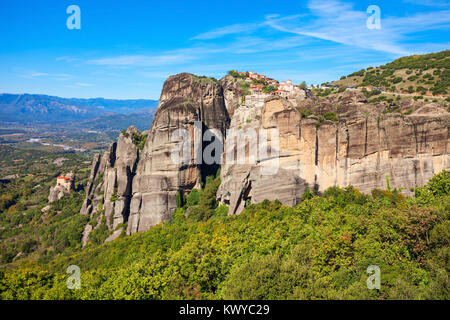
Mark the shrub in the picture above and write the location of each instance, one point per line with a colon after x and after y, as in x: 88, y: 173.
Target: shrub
x: 99, y: 235
x: 139, y: 140
x: 233, y: 73
x: 330, y: 116
x: 193, y: 198
x: 307, y: 194
x: 202, y: 204
x: 437, y: 187
x: 180, y: 199
x: 305, y: 113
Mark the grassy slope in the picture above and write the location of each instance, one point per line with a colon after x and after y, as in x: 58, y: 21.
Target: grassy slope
x: 427, y: 75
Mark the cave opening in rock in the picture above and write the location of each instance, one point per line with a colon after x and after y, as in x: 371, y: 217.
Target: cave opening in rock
x: 210, y: 169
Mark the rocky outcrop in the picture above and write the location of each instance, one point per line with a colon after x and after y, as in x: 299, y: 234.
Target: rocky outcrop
x: 139, y: 188
x: 232, y: 93
x: 64, y: 186
x: 95, y: 182
x: 108, y: 191
x: 362, y: 147
x: 185, y: 99
x: 85, y: 236
x: 323, y: 141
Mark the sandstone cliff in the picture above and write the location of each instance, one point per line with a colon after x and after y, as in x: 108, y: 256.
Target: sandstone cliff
x: 323, y: 141
x: 185, y: 99
x: 145, y: 183
x: 109, y: 184
x: 361, y: 147
x: 232, y: 93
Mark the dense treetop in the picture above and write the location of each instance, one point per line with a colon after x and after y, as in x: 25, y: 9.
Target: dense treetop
x: 318, y: 249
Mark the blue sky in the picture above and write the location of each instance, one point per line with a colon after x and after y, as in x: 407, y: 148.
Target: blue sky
x: 126, y: 49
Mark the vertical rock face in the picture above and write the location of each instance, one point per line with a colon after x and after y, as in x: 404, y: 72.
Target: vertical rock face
x: 247, y: 181
x: 118, y: 178
x: 185, y: 99
x: 136, y: 183
x: 140, y: 187
x: 361, y: 148
x: 232, y: 94
x: 109, y: 184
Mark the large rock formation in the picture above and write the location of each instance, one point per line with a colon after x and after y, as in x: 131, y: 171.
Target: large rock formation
x: 140, y: 187
x: 362, y: 147
x: 339, y: 140
x: 232, y: 93
x: 64, y: 186
x: 109, y: 184
x: 185, y: 99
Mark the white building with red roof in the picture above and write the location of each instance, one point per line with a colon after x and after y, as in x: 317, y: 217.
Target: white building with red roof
x: 286, y: 85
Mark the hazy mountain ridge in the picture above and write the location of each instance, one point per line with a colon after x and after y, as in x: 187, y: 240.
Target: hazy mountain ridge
x: 52, y: 109
x: 140, y: 120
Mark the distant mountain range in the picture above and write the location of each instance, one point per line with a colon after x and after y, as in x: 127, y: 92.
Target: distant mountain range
x: 38, y: 108
x: 142, y: 120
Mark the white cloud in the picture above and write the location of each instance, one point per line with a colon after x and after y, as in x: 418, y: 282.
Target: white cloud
x: 143, y: 60
x: 166, y: 58
x: 430, y: 3
x: 34, y: 74
x: 41, y: 75
x: 67, y: 59
x: 155, y: 74
x: 338, y: 22
x: 240, y: 45
x: 83, y: 84
x: 290, y: 46
x: 247, y: 45
x: 232, y: 29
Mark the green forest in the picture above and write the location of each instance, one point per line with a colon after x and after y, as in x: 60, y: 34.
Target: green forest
x: 26, y: 232
x: 318, y: 249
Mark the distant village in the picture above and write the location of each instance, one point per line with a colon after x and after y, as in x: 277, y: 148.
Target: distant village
x: 261, y: 83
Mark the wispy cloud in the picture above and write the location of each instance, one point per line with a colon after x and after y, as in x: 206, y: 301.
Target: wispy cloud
x: 67, y: 59
x: 155, y: 74
x: 34, y: 74
x: 430, y: 3
x: 83, y: 84
x: 145, y: 60
x: 328, y: 40
x: 338, y: 22
x: 239, y: 45
x: 228, y: 30
x: 164, y: 58
x: 325, y: 20
x: 42, y: 75
x: 248, y: 45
